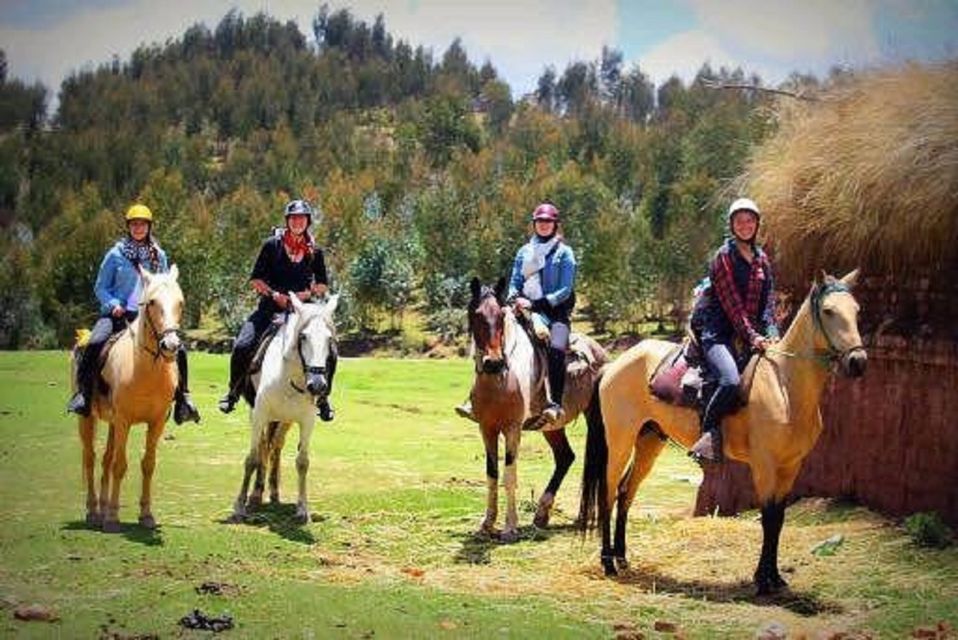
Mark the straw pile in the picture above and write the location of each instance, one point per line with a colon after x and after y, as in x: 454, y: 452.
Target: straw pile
x: 866, y: 176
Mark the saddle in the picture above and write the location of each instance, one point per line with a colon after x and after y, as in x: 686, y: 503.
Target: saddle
x: 83, y: 339
x: 256, y: 364
x: 683, y: 378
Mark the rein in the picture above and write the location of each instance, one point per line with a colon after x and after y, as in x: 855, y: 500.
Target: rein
x: 307, y: 369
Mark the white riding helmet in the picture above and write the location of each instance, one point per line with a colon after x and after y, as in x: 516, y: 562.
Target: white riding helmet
x: 743, y: 204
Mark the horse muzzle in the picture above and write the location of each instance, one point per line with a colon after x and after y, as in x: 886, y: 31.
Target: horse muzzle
x: 316, y: 383
x: 493, y: 365
x: 169, y: 344
x: 855, y: 362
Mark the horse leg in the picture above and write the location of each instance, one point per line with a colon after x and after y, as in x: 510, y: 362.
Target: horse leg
x: 106, y: 469
x: 648, y: 446
x: 490, y: 440
x: 767, y: 578
x: 510, y: 532
x: 619, y: 453
x: 302, y: 467
x: 111, y: 519
x: 254, y: 463
x: 563, y: 456
x: 87, y: 427
x: 255, y: 499
x: 147, y: 466
x: 279, y: 439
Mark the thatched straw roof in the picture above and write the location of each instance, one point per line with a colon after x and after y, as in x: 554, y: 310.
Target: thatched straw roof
x: 866, y: 176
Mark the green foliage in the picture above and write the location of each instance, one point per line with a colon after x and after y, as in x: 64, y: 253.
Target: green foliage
x: 927, y: 529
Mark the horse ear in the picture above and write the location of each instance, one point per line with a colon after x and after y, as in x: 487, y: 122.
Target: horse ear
x: 475, y: 287
x: 297, y: 303
x: 851, y: 278
x: 501, y: 290
x: 174, y: 272
x: 331, y: 304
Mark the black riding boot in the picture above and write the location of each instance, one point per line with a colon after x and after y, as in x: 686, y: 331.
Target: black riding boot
x: 239, y: 363
x: 324, y: 408
x: 553, y: 411
x: 183, y: 407
x: 82, y: 400
x: 708, y: 448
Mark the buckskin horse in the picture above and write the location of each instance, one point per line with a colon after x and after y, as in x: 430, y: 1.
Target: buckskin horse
x: 508, y: 390
x: 772, y: 433
x: 140, y: 377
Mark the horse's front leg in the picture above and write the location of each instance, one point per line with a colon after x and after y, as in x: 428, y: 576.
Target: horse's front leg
x: 259, y: 480
x: 302, y: 464
x: 111, y: 518
x: 767, y: 578
x: 254, y: 463
x: 279, y: 440
x: 490, y: 441
x: 147, y: 466
x: 511, y: 531
x: 106, y: 466
x: 87, y: 427
x: 563, y: 456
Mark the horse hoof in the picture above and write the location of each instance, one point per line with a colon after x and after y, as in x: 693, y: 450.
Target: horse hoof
x: 303, y: 518
x: 621, y: 564
x: 254, y: 502
x: 609, y: 567
x: 274, y: 498
x: 541, y: 519
x: 509, y: 536
x: 111, y: 526
x: 237, y: 518
x: 148, y: 522
x: 94, y: 520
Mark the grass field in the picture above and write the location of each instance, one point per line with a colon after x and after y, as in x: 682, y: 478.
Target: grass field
x: 397, y: 490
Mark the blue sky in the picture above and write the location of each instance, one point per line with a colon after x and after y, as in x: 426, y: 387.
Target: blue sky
x: 46, y: 39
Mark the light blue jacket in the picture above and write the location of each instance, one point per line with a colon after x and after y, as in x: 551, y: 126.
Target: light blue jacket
x: 118, y: 283
x: 558, y: 274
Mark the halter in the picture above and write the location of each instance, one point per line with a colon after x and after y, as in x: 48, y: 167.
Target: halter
x: 833, y: 354
x: 477, y: 358
x: 307, y: 369
x: 157, y: 335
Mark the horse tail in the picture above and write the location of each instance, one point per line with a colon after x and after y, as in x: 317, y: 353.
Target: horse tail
x: 596, y: 461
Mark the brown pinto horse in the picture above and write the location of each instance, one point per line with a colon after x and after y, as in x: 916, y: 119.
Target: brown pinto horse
x: 773, y: 433
x: 509, y: 389
x: 140, y: 375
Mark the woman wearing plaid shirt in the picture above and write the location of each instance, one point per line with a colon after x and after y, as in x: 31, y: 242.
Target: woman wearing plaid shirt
x: 738, y: 306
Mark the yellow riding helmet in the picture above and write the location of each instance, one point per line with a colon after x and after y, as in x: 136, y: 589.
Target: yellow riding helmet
x: 139, y: 212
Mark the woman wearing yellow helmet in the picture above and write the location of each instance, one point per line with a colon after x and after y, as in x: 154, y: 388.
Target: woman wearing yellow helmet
x: 118, y: 287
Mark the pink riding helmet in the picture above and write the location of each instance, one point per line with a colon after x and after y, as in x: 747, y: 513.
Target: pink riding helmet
x: 546, y: 211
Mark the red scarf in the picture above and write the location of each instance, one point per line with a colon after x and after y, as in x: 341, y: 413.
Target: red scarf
x: 297, y: 247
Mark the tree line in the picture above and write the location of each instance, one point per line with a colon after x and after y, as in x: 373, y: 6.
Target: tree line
x: 425, y: 169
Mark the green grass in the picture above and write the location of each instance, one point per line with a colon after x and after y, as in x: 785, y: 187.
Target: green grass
x: 397, y: 489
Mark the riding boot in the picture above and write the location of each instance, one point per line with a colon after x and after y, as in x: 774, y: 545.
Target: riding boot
x: 553, y: 411
x: 183, y: 407
x: 324, y: 408
x: 239, y: 363
x: 82, y: 400
x: 708, y: 448
x: 464, y: 410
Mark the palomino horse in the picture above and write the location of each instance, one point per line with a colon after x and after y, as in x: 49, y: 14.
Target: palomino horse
x: 141, y: 376
x: 508, y: 390
x: 292, y: 377
x: 772, y: 434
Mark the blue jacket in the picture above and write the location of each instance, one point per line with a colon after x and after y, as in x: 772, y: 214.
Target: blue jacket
x: 118, y: 283
x: 558, y: 274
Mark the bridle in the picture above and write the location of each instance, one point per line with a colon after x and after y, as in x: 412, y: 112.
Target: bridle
x: 307, y: 369
x: 477, y: 357
x: 833, y: 354
x: 157, y: 335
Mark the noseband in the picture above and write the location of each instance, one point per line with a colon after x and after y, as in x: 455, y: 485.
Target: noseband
x: 157, y: 335
x: 307, y: 369
x: 477, y: 358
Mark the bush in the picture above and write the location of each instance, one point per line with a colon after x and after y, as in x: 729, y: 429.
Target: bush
x: 928, y: 530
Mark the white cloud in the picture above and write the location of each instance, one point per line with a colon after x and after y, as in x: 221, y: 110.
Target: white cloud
x: 683, y: 55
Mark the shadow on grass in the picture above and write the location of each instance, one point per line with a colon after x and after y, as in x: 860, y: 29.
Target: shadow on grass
x: 129, y: 530
x: 477, y: 546
x: 280, y: 519
x: 799, y: 603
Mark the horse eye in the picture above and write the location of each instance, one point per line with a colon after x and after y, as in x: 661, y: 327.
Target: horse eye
x: 828, y: 312
x: 152, y: 302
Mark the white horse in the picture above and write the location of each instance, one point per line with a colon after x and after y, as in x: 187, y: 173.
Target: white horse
x: 293, y: 375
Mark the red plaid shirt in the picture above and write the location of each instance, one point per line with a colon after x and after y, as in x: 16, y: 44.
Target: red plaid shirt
x: 745, y: 314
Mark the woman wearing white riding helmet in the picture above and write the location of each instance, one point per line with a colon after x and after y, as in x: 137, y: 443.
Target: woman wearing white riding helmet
x: 737, y: 308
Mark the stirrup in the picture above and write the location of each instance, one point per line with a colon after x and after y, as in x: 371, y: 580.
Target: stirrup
x: 227, y: 403
x: 325, y: 411
x: 184, y: 410
x: 79, y: 405
x: 553, y: 413
x: 707, y: 449
x: 464, y: 410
